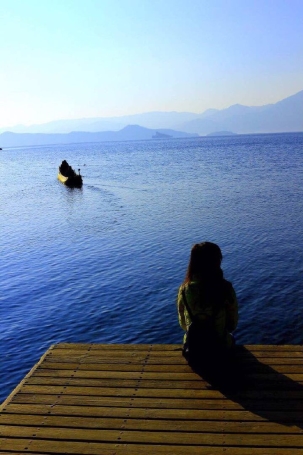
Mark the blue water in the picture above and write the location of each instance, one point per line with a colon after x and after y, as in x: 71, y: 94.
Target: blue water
x: 103, y: 264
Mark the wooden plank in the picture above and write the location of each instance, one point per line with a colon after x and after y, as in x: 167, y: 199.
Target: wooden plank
x: 128, y: 355
x: 120, y: 392
x: 46, y: 371
x: 171, y: 425
x: 274, y: 347
x: 115, y: 357
x: 117, y: 346
x: 152, y: 437
x: 164, y: 375
x: 165, y: 347
x: 125, y: 385
x: 273, y: 354
x: 40, y: 372
x: 159, y: 403
x: 178, y: 385
x: 155, y: 393
x: 115, y: 353
x: 280, y: 365
x: 93, y: 365
x: 158, y: 375
x: 76, y: 448
x: 58, y: 409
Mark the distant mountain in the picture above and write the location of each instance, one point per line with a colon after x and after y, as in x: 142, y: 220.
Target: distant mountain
x: 284, y: 116
x: 153, y: 120
x: 129, y: 133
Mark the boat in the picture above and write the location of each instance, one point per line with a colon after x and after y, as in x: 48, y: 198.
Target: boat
x: 68, y: 176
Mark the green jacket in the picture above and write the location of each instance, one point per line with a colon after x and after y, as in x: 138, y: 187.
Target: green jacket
x: 224, y: 317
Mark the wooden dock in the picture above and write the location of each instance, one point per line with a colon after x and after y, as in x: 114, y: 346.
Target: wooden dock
x: 146, y: 400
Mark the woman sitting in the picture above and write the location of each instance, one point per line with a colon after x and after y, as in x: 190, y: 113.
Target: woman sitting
x: 207, y: 305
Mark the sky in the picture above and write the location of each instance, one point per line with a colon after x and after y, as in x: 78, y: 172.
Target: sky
x: 69, y: 59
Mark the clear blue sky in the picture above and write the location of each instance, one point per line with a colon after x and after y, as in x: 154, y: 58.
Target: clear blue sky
x: 101, y: 58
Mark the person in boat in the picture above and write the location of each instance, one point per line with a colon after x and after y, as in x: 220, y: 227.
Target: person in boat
x: 207, y: 305
x: 66, y: 169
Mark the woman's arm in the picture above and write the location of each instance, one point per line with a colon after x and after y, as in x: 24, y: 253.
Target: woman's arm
x: 180, y: 306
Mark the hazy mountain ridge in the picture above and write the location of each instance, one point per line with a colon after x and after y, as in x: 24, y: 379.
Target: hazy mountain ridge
x: 152, y: 120
x: 129, y: 133
x: 284, y: 116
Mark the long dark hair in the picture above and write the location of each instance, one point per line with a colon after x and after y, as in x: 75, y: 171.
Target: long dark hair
x: 205, y: 268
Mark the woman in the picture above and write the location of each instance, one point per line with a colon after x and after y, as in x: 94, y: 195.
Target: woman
x: 208, y: 300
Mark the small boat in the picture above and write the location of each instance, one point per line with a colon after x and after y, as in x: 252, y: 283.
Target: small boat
x: 68, y: 176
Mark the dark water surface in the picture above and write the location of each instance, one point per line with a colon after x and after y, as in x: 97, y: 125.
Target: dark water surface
x: 103, y: 264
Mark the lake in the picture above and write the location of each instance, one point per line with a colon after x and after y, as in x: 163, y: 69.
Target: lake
x: 103, y: 264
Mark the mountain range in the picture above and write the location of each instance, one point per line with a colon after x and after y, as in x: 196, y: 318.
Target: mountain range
x: 284, y: 116
x: 129, y: 133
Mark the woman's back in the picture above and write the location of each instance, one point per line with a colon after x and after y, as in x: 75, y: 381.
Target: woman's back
x: 207, y: 299
x: 216, y: 313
